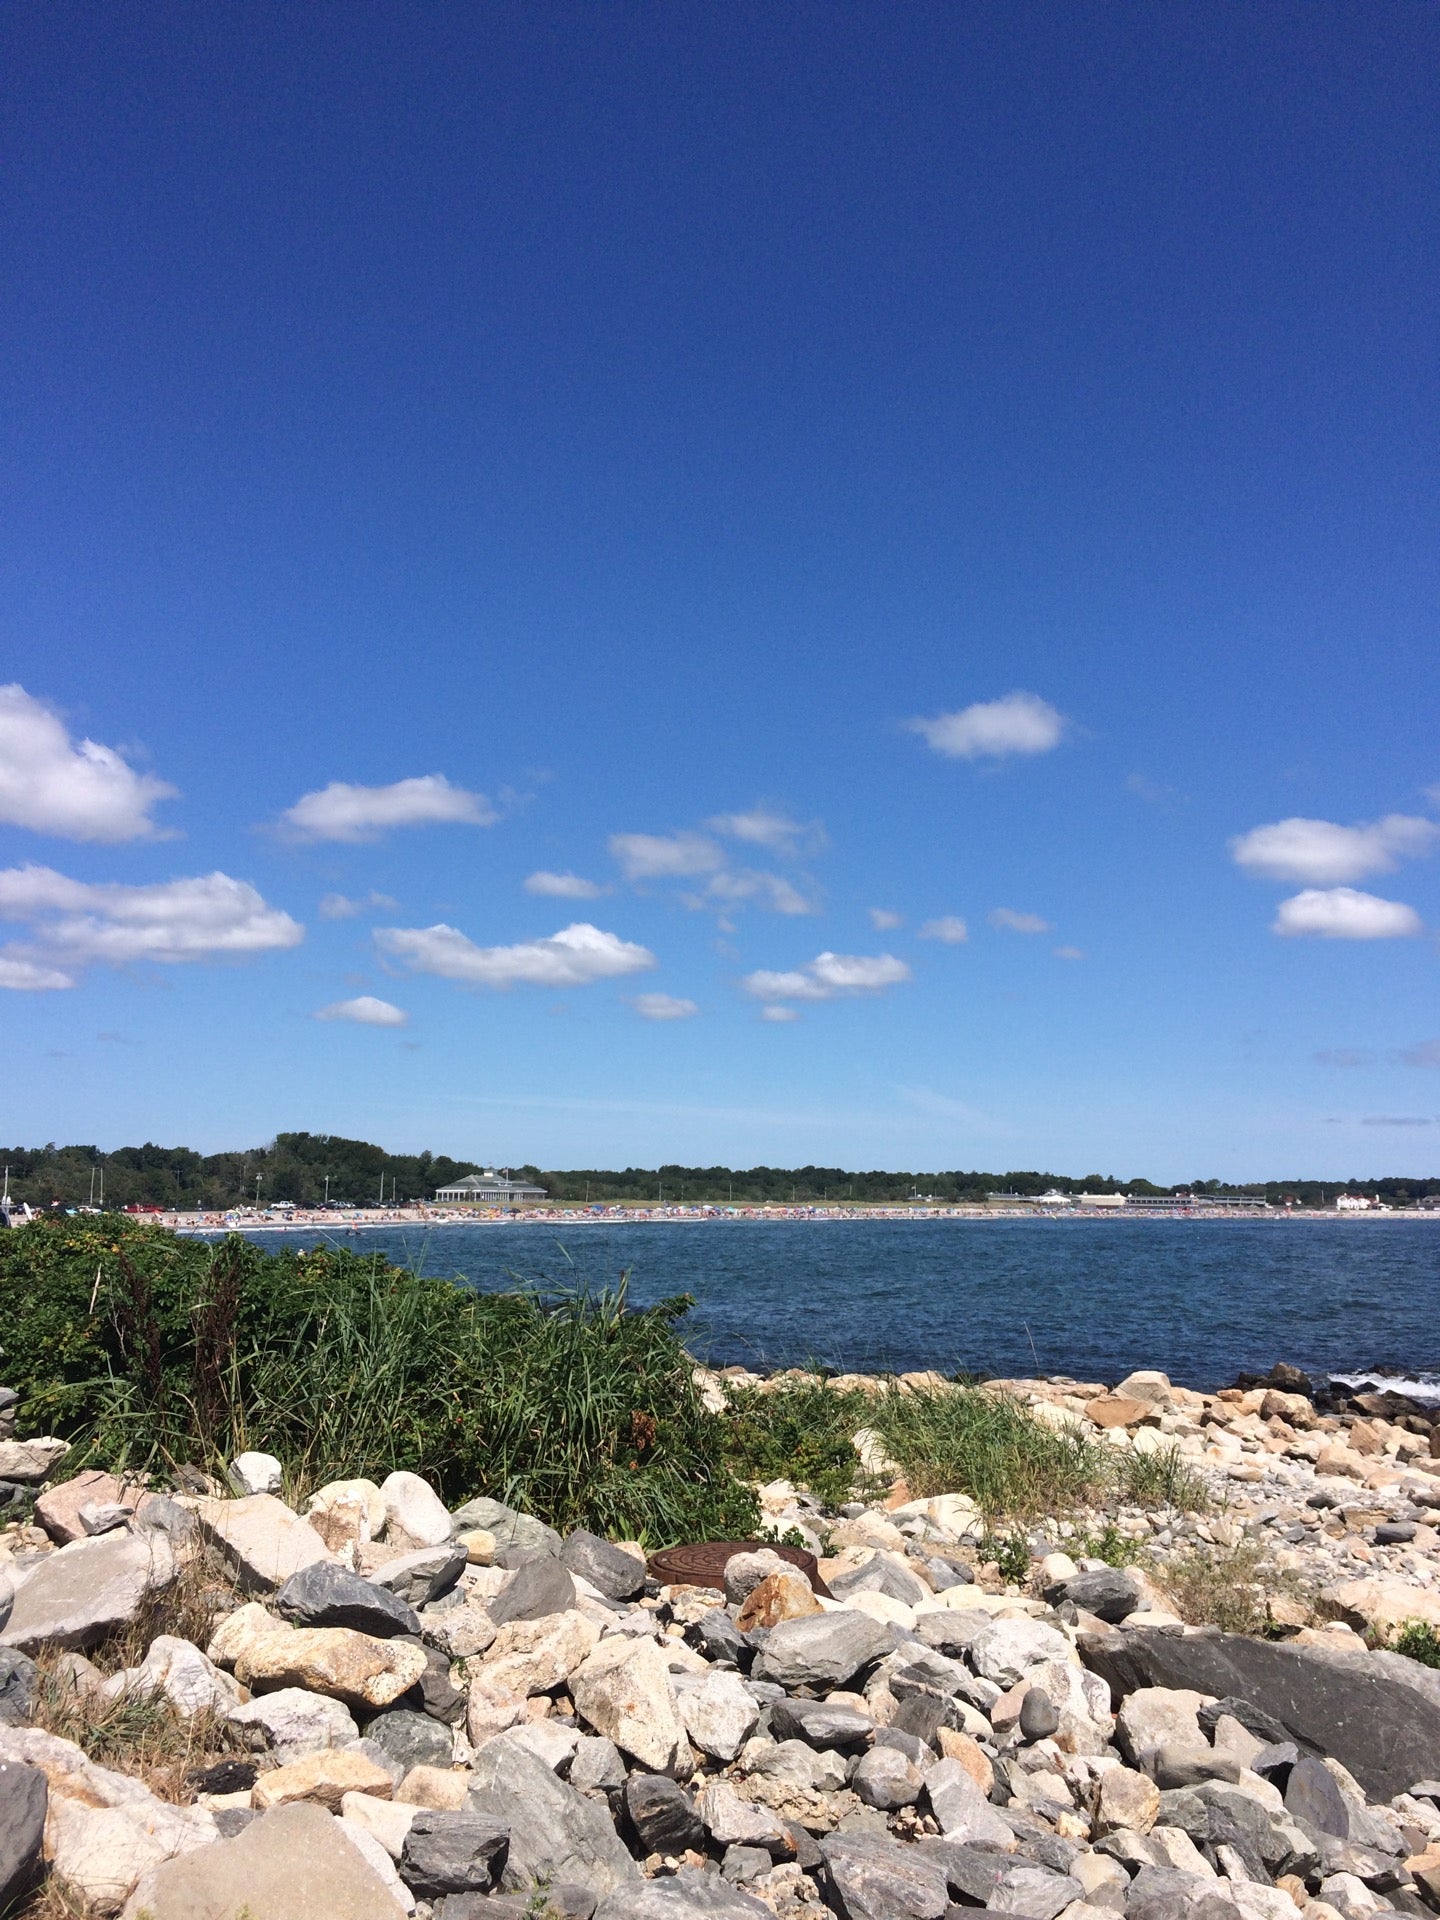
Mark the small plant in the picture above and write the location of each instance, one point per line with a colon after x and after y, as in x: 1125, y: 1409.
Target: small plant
x: 1010, y: 1552
x: 1115, y: 1548
x: 1230, y: 1590
x: 141, y: 1734
x: 1417, y: 1640
x: 1162, y: 1478
x: 791, y: 1537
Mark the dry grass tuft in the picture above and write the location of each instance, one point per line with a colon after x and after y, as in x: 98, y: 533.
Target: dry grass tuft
x: 1230, y: 1590
x: 54, y: 1900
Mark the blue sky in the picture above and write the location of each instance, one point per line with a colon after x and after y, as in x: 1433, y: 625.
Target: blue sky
x: 929, y: 513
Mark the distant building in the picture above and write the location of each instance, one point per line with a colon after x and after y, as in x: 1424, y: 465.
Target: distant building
x: 1355, y: 1203
x: 1101, y: 1199
x: 492, y: 1189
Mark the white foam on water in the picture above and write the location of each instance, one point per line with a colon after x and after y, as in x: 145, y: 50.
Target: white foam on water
x: 1424, y: 1388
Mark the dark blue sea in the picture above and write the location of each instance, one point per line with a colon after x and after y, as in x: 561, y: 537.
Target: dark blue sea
x: 1201, y: 1300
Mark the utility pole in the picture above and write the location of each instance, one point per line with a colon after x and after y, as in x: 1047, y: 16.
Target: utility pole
x: 258, y: 1179
x: 327, y: 1189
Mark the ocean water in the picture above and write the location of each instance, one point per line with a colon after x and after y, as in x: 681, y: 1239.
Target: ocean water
x: 1201, y: 1300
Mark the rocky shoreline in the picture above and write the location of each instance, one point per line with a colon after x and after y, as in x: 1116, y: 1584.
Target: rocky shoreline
x: 395, y: 1708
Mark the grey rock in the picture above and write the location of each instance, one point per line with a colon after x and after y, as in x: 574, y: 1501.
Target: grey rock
x: 951, y: 1632
x: 920, y: 1716
x: 541, y: 1587
x: 435, y: 1692
x: 24, y: 1797
x: 1394, y: 1533
x: 945, y: 1573
x: 79, y: 1594
x: 971, y: 1873
x: 961, y: 1810
x: 1034, y: 1892
x: 157, y: 1513
x: 292, y: 1722
x: 707, y: 1896
x: 1163, y: 1893
x: 230, y: 1822
x: 412, y: 1739
x: 1110, y: 1593
x: 745, y: 1863
x: 1273, y: 1763
x: 511, y: 1529
x: 886, y: 1779
x: 452, y: 1853
x: 1262, y: 1725
x: 883, y: 1573
x: 19, y: 1679
x: 1383, y: 1725
x: 597, y: 1763
x: 1039, y: 1715
x: 873, y: 1877
x: 324, y: 1595
x: 615, y: 1573
x: 423, y: 1576
x: 1313, y: 1795
x: 555, y: 1831
x: 1178, y: 1763
x: 824, y: 1650
x: 570, y: 1902
x: 716, y: 1635
x: 914, y: 1750
x: 819, y: 1724
x: 662, y: 1814
x: 379, y: 1756
x: 917, y: 1669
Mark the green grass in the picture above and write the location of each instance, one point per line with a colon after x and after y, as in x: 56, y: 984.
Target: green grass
x: 1419, y: 1641
x: 966, y: 1440
x: 1159, y: 1479
x: 146, y: 1349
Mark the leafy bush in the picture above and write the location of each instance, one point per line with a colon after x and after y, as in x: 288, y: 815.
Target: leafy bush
x: 1009, y: 1551
x: 1115, y: 1548
x: 1418, y: 1640
x: 147, y: 1349
x: 800, y: 1432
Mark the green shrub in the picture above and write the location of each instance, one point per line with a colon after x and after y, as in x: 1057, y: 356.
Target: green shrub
x: 1160, y: 1479
x: 147, y: 1349
x: 1010, y: 1552
x: 1115, y: 1548
x: 1417, y: 1640
x: 799, y: 1432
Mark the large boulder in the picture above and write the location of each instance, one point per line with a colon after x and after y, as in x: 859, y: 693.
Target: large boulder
x: 325, y: 1777
x: 875, y: 1878
x: 101, y: 1851
x: 1110, y: 1593
x: 349, y: 1666
x: 261, y: 1539
x: 78, y: 1595
x: 687, y: 1895
x: 828, y: 1650
x: 23, y: 1799
x: 662, y: 1814
x: 293, y: 1863
x: 415, y: 1515
x: 608, y: 1568
x: 534, y: 1656
x: 28, y: 1461
x: 555, y: 1832
x: 533, y: 1592
x: 720, y: 1714
x: 512, y: 1530
x: 412, y: 1739
x: 322, y: 1595
x: 58, y: 1508
x: 624, y: 1691
x: 452, y: 1853
x: 293, y: 1722
x: 1364, y: 1710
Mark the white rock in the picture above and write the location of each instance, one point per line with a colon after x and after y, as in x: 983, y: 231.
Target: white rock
x: 260, y: 1538
x: 236, y: 1632
x: 720, y: 1714
x: 548, y: 1741
x: 387, y: 1821
x: 256, y: 1473
x: 491, y: 1708
x: 879, y: 1606
x: 189, y: 1681
x: 1008, y: 1648
x: 347, y: 1510
x: 873, y: 1455
x: 745, y: 1571
x: 624, y: 1691
x: 102, y: 1851
x: 292, y: 1722
x: 75, y: 1596
x: 376, y: 1857
x: 415, y: 1515
x: 535, y: 1656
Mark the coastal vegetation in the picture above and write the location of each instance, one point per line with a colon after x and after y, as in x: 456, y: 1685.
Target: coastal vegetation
x: 310, y: 1168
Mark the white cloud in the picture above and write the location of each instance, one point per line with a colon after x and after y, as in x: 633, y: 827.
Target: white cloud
x: 776, y: 832
x: 829, y: 975
x: 663, y: 1006
x: 1324, y: 854
x: 778, y: 1014
x: 573, y: 957
x: 1009, y: 921
x: 660, y: 856
x: 950, y: 929
x: 1068, y: 953
x: 75, y: 791
x: 772, y: 890
x: 993, y: 729
x: 564, y: 886
x: 884, y: 921
x: 29, y: 976
x: 1341, y: 913
x: 344, y: 812
x: 171, y: 922
x: 366, y: 1011
x: 336, y: 906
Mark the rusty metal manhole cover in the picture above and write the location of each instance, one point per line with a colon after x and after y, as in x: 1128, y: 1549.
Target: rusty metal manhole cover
x: 703, y: 1565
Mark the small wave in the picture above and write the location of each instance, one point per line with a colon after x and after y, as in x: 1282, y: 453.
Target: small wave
x: 1424, y: 1387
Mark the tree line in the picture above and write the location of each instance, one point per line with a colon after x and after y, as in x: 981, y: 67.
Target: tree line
x: 309, y: 1168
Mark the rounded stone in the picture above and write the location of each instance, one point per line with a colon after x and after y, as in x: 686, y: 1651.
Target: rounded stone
x: 1039, y: 1715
